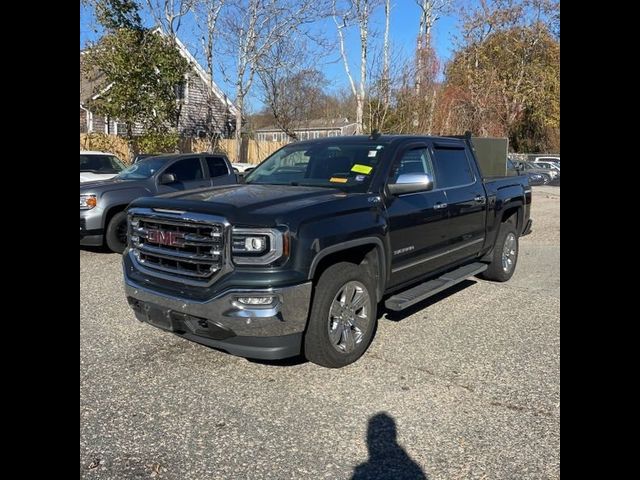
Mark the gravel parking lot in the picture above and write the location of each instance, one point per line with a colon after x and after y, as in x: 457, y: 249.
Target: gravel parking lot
x: 465, y: 385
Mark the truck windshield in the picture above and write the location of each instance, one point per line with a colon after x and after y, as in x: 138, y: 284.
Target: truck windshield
x: 346, y: 166
x: 142, y: 169
x: 100, y: 164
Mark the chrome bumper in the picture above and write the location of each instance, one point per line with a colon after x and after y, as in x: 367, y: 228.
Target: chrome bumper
x: 285, y: 316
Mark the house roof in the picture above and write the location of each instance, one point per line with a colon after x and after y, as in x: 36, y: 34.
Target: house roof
x: 204, y: 76
x: 315, y: 124
x: 87, y: 85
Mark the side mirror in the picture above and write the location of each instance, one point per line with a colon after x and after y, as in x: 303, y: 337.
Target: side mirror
x: 411, y: 183
x: 167, y: 178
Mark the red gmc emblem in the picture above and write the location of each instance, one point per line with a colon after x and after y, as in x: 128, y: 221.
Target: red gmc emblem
x: 162, y: 237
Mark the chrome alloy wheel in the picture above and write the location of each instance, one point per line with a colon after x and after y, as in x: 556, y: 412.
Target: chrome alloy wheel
x: 349, y: 316
x: 509, y: 252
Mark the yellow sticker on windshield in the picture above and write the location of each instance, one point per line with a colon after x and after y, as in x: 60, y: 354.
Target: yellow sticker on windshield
x: 338, y: 180
x: 366, y: 169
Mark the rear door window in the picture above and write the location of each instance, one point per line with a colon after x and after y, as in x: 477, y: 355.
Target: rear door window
x: 452, y: 167
x: 217, y: 166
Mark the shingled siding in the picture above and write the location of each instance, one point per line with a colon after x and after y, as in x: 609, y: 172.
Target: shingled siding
x: 195, y: 115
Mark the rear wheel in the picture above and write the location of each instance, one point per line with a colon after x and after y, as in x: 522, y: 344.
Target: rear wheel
x: 505, y: 253
x: 343, y: 316
x: 116, y: 233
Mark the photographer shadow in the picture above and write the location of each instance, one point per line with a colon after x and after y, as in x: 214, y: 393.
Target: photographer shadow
x: 387, y: 459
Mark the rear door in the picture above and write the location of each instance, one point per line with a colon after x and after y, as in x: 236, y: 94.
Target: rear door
x: 219, y: 171
x: 417, y: 220
x: 465, y: 198
x: 189, y: 174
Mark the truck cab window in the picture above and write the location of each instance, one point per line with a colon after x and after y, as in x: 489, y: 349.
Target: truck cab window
x: 416, y: 160
x: 452, y: 167
x: 187, y: 169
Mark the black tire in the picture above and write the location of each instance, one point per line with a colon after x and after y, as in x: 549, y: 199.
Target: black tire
x: 113, y: 235
x: 497, y: 270
x: 545, y: 179
x: 319, y: 347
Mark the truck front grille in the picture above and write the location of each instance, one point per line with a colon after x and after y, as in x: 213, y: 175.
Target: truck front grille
x: 190, y: 251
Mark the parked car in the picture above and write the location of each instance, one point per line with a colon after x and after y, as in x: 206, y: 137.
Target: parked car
x: 515, y: 167
x: 537, y: 178
x: 297, y: 258
x: 103, y: 203
x: 549, y: 173
x: 548, y: 165
x: 243, y: 167
x: 99, y: 166
x: 142, y: 156
x: 547, y: 159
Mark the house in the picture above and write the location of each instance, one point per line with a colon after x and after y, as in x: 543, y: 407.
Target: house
x: 308, y: 130
x: 205, y: 111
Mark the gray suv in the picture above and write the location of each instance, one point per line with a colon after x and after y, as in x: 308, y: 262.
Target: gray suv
x: 103, y: 203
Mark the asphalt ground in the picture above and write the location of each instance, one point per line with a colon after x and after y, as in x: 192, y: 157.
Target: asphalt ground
x: 463, y: 386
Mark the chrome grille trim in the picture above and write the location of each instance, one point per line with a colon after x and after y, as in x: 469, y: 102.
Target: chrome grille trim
x: 197, y: 254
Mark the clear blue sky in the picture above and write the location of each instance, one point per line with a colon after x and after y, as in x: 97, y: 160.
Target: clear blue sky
x: 403, y: 29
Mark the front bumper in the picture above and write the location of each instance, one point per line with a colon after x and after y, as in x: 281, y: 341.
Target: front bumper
x: 91, y: 231
x: 270, y: 332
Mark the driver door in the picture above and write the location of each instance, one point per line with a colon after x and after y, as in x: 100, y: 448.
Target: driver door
x: 189, y: 174
x: 417, y: 220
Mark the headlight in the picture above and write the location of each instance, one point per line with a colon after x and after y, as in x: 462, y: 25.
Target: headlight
x: 87, y: 202
x: 257, y: 246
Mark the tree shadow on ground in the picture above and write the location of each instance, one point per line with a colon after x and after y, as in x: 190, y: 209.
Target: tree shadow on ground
x: 387, y: 459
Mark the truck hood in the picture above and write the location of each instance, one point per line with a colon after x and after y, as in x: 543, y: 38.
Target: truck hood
x: 260, y: 205
x: 92, y: 177
x: 108, y: 185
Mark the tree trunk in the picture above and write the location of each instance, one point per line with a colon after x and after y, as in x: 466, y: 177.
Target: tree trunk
x: 385, y: 67
x: 238, y: 132
x: 364, y: 30
x: 432, y: 107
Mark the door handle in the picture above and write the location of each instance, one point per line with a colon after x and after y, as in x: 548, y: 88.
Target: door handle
x: 439, y: 205
x: 480, y: 199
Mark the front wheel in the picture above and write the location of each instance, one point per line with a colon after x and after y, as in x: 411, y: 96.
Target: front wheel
x: 343, y: 316
x: 116, y: 234
x: 505, y: 254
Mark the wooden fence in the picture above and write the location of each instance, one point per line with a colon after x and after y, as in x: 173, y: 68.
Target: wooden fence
x: 256, y: 151
x: 106, y: 143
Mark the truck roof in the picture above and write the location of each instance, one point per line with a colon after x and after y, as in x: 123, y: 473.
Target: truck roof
x: 383, y: 139
x: 171, y: 156
x: 95, y: 152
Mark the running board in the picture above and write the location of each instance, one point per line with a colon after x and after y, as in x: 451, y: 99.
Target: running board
x: 425, y: 290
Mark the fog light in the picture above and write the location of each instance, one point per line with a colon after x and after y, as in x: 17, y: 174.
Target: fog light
x: 255, y: 300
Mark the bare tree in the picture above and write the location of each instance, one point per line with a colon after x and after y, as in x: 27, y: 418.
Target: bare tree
x: 293, y: 100
x: 430, y: 12
x: 358, y: 11
x: 385, y: 55
x: 168, y: 14
x: 250, y: 30
x: 207, y: 14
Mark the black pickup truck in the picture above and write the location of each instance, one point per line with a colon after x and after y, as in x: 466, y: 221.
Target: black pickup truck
x: 300, y: 257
